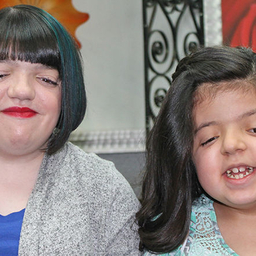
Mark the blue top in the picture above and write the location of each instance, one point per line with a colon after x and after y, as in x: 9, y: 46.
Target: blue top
x: 10, y: 227
x: 204, y: 236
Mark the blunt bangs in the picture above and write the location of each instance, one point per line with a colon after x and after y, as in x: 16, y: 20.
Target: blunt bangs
x: 25, y: 40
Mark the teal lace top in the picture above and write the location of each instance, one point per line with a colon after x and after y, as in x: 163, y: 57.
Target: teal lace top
x: 204, y: 236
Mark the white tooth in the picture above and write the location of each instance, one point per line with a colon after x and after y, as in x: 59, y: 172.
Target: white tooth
x: 232, y: 176
x: 246, y: 173
x: 241, y: 175
x: 228, y: 172
x: 250, y: 168
x: 235, y: 170
x: 242, y: 169
x: 237, y: 176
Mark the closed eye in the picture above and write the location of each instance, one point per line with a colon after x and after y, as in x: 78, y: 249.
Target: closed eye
x: 3, y: 75
x: 209, y: 140
x: 48, y: 81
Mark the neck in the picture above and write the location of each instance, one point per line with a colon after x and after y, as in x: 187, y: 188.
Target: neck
x: 18, y: 178
x: 20, y: 163
x: 238, y: 228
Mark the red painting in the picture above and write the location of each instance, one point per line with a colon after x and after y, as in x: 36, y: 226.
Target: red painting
x: 239, y: 23
x: 62, y: 10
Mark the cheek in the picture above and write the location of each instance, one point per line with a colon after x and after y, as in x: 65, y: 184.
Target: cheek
x: 58, y: 104
x: 208, y: 171
x: 206, y: 180
x: 59, y: 99
x: 204, y: 167
x: 52, y: 102
x: 198, y: 165
x: 2, y: 93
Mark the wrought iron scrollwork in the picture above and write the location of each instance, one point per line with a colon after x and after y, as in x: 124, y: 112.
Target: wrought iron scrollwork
x: 172, y: 29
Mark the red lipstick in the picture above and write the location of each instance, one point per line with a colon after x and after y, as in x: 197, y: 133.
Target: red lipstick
x: 22, y: 112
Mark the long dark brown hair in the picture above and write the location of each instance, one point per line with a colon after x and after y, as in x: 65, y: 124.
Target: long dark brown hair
x: 170, y: 182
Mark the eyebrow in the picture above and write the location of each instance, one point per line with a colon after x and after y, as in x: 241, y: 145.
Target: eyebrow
x: 240, y: 117
x: 203, y: 125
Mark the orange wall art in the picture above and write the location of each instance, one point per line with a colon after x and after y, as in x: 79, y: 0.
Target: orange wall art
x: 62, y: 10
x: 239, y: 23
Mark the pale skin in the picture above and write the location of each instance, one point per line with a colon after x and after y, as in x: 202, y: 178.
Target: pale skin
x: 24, y: 87
x: 224, y: 154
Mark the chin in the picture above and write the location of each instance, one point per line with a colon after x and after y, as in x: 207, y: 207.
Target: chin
x: 243, y: 203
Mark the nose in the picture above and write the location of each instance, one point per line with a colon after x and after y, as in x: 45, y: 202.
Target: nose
x: 233, y: 141
x: 22, y: 88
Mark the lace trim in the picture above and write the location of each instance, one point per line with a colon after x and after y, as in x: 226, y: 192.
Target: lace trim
x: 204, y: 235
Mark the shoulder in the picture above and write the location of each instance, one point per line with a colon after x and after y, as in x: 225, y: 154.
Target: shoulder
x: 87, y: 174
x: 73, y: 161
x: 90, y: 198
x: 202, y: 227
x: 72, y: 155
x: 202, y: 208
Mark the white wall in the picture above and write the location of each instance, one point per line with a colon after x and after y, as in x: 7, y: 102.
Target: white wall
x: 112, y: 48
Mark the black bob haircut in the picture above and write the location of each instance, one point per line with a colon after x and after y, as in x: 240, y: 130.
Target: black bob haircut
x: 30, y: 34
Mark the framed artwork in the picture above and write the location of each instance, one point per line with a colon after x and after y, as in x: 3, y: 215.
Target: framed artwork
x: 62, y: 10
x: 239, y: 23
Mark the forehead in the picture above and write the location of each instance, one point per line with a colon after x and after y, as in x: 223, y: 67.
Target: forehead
x: 207, y: 92
x: 228, y: 103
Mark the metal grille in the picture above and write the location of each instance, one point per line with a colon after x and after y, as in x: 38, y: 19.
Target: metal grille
x: 172, y: 29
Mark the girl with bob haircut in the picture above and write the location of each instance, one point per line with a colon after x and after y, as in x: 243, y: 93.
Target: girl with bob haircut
x: 32, y: 36
x: 199, y: 188
x: 55, y: 199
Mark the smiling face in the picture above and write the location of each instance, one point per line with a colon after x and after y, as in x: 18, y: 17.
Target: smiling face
x: 224, y: 150
x: 30, y: 103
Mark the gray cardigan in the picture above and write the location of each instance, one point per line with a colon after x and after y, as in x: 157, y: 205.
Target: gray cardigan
x: 81, y: 205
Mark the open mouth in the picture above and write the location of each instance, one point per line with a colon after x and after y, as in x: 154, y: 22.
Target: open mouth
x: 239, y: 173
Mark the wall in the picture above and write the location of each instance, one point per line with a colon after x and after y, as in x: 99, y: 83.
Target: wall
x: 112, y: 48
